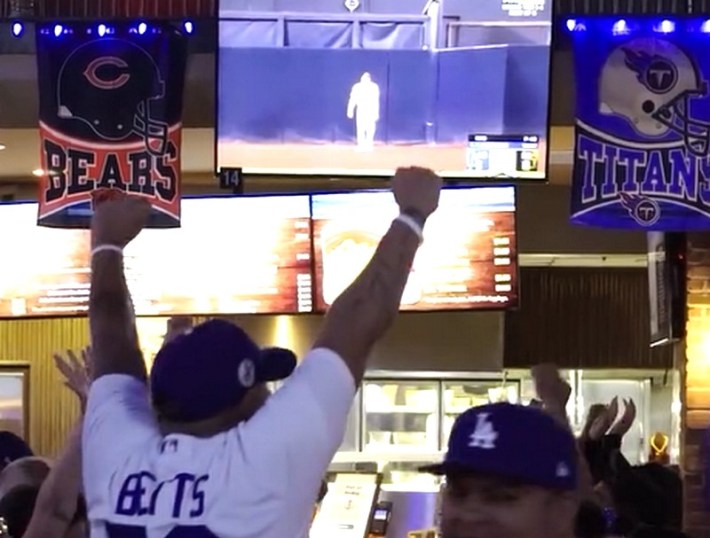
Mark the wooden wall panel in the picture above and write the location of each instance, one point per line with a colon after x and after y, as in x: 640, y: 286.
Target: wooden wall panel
x: 53, y: 409
x: 583, y: 318
x: 455, y: 341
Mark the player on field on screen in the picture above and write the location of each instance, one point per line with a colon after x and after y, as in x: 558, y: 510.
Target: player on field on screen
x: 364, y: 107
x: 216, y: 454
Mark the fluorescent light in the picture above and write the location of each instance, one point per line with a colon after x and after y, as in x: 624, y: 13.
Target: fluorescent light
x: 2, y: 147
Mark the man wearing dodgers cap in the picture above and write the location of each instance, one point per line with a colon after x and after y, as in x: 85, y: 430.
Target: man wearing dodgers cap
x: 511, y: 471
x: 216, y: 455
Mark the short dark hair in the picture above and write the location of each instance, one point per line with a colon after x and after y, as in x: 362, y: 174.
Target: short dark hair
x: 16, y: 509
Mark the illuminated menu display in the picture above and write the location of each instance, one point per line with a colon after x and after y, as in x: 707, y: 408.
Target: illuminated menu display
x: 468, y: 259
x: 231, y: 255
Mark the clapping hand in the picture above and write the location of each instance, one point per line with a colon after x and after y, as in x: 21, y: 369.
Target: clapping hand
x: 626, y: 420
x: 76, y: 372
x: 607, y: 424
x: 603, y: 422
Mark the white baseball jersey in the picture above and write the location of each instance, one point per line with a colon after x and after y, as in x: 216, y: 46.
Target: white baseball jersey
x: 365, y: 99
x: 258, y: 480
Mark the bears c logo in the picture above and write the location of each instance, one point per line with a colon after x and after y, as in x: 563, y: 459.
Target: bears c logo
x: 108, y: 73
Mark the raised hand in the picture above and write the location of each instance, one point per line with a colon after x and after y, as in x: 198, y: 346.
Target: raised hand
x: 549, y: 385
x: 76, y: 372
x: 603, y: 422
x: 176, y: 326
x: 626, y: 420
x: 118, y: 220
x: 552, y: 390
x: 416, y: 190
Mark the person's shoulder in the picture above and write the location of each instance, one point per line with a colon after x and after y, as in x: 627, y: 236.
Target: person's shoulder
x: 117, y: 383
x: 322, y: 354
x: 326, y: 365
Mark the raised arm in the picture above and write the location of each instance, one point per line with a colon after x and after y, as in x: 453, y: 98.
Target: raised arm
x: 116, y: 222
x: 555, y: 393
x: 58, y: 497
x: 352, y: 101
x: 364, y: 311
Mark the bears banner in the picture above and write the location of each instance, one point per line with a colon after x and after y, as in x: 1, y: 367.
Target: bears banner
x: 642, y: 124
x: 110, y: 118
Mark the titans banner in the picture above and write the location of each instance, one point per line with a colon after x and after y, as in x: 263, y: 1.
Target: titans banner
x: 110, y: 118
x: 643, y: 124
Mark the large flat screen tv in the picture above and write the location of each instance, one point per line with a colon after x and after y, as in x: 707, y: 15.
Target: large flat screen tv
x: 247, y: 255
x: 468, y: 260
x: 309, y: 87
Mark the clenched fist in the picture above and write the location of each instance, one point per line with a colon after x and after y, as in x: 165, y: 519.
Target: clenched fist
x: 417, y: 189
x: 118, y: 220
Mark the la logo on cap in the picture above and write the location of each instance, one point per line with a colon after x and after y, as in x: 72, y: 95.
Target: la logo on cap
x: 247, y: 373
x: 484, y: 435
x: 562, y: 470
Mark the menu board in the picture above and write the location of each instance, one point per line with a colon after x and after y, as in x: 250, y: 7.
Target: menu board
x: 232, y: 255
x: 468, y: 259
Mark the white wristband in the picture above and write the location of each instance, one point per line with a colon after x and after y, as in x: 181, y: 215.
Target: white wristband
x: 412, y: 224
x: 106, y: 248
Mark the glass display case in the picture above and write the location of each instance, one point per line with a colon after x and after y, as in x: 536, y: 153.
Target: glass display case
x: 604, y: 390
x: 655, y: 393
x: 400, y: 422
x: 400, y: 415
x: 351, y: 439
x: 459, y: 396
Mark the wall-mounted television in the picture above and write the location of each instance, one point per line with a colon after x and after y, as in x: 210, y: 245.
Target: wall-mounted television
x: 468, y: 260
x: 232, y: 255
x: 309, y: 87
x: 269, y: 255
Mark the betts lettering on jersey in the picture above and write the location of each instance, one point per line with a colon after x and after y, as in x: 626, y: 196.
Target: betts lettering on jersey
x: 110, y: 120
x: 141, y: 494
x: 642, y: 135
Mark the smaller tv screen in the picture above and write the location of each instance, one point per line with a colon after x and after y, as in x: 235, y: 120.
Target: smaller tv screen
x: 666, y: 286
x: 468, y: 259
x: 247, y: 255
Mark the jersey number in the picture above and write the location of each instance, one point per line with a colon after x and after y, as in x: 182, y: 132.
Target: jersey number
x: 130, y: 531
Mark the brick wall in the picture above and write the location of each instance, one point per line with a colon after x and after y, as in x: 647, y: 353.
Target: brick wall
x: 695, y: 372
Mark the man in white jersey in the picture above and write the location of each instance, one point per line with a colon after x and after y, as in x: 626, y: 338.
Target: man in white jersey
x: 216, y: 455
x: 364, y: 107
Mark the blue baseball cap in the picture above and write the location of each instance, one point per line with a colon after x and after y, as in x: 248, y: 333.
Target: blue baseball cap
x: 523, y: 444
x: 211, y: 368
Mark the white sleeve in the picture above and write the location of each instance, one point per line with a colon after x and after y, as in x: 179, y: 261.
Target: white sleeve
x: 118, y: 418
x: 301, y: 427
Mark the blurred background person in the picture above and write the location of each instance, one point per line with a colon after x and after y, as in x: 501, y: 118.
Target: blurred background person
x: 52, y: 506
x: 511, y: 471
